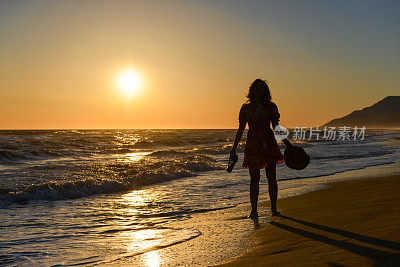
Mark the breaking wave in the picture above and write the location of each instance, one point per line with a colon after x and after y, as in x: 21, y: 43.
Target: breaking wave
x: 113, y: 177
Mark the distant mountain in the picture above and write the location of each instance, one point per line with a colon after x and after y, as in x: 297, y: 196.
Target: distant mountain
x: 384, y: 114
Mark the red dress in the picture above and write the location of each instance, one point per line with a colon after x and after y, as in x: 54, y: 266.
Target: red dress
x: 260, y: 135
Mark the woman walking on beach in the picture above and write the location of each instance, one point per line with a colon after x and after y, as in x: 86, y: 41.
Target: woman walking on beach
x: 261, y: 150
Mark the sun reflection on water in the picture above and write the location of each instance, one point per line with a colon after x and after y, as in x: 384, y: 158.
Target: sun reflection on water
x: 137, y: 198
x: 145, y: 234
x: 132, y: 157
x: 142, y: 240
x: 146, y: 242
x: 152, y: 259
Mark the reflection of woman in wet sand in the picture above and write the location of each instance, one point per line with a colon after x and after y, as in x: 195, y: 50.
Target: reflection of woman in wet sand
x: 261, y: 147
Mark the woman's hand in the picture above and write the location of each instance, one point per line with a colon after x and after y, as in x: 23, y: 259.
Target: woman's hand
x: 287, y: 143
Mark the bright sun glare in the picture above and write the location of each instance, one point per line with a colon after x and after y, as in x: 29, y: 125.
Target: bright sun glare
x: 129, y: 82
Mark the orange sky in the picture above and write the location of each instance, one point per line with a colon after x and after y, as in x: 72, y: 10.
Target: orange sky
x: 59, y: 61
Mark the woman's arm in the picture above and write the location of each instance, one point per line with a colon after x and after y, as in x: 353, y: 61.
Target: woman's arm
x: 238, y: 137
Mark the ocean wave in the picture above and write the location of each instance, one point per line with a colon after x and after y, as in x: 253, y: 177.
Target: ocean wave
x: 26, y: 145
x: 167, y: 153
x: 10, y: 157
x: 114, y: 177
x: 217, y: 150
x: 142, y: 144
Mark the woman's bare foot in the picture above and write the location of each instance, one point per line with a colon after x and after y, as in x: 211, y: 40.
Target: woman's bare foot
x: 276, y: 213
x: 253, y: 215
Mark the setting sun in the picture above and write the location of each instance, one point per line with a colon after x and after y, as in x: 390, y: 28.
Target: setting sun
x: 129, y: 82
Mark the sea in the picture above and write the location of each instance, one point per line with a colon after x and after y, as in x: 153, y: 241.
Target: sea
x: 151, y: 197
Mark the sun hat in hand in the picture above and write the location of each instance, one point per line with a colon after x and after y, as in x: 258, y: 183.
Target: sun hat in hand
x: 295, y: 157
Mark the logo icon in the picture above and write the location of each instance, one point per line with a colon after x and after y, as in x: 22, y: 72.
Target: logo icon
x: 280, y: 132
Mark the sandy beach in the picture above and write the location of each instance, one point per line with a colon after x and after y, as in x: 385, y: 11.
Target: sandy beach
x: 347, y: 224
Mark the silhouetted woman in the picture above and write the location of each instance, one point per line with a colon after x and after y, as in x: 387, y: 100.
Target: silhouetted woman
x: 261, y: 149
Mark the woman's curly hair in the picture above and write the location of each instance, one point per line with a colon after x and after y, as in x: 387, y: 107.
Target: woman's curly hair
x: 259, y: 83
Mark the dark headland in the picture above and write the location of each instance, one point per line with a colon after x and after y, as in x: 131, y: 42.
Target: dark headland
x: 383, y: 114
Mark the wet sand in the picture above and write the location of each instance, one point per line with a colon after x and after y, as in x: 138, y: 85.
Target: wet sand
x: 350, y: 223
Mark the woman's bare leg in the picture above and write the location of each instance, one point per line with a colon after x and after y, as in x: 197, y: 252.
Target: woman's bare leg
x: 272, y: 185
x: 254, y: 190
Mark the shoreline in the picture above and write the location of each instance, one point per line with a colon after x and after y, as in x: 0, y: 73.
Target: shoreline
x: 347, y: 232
